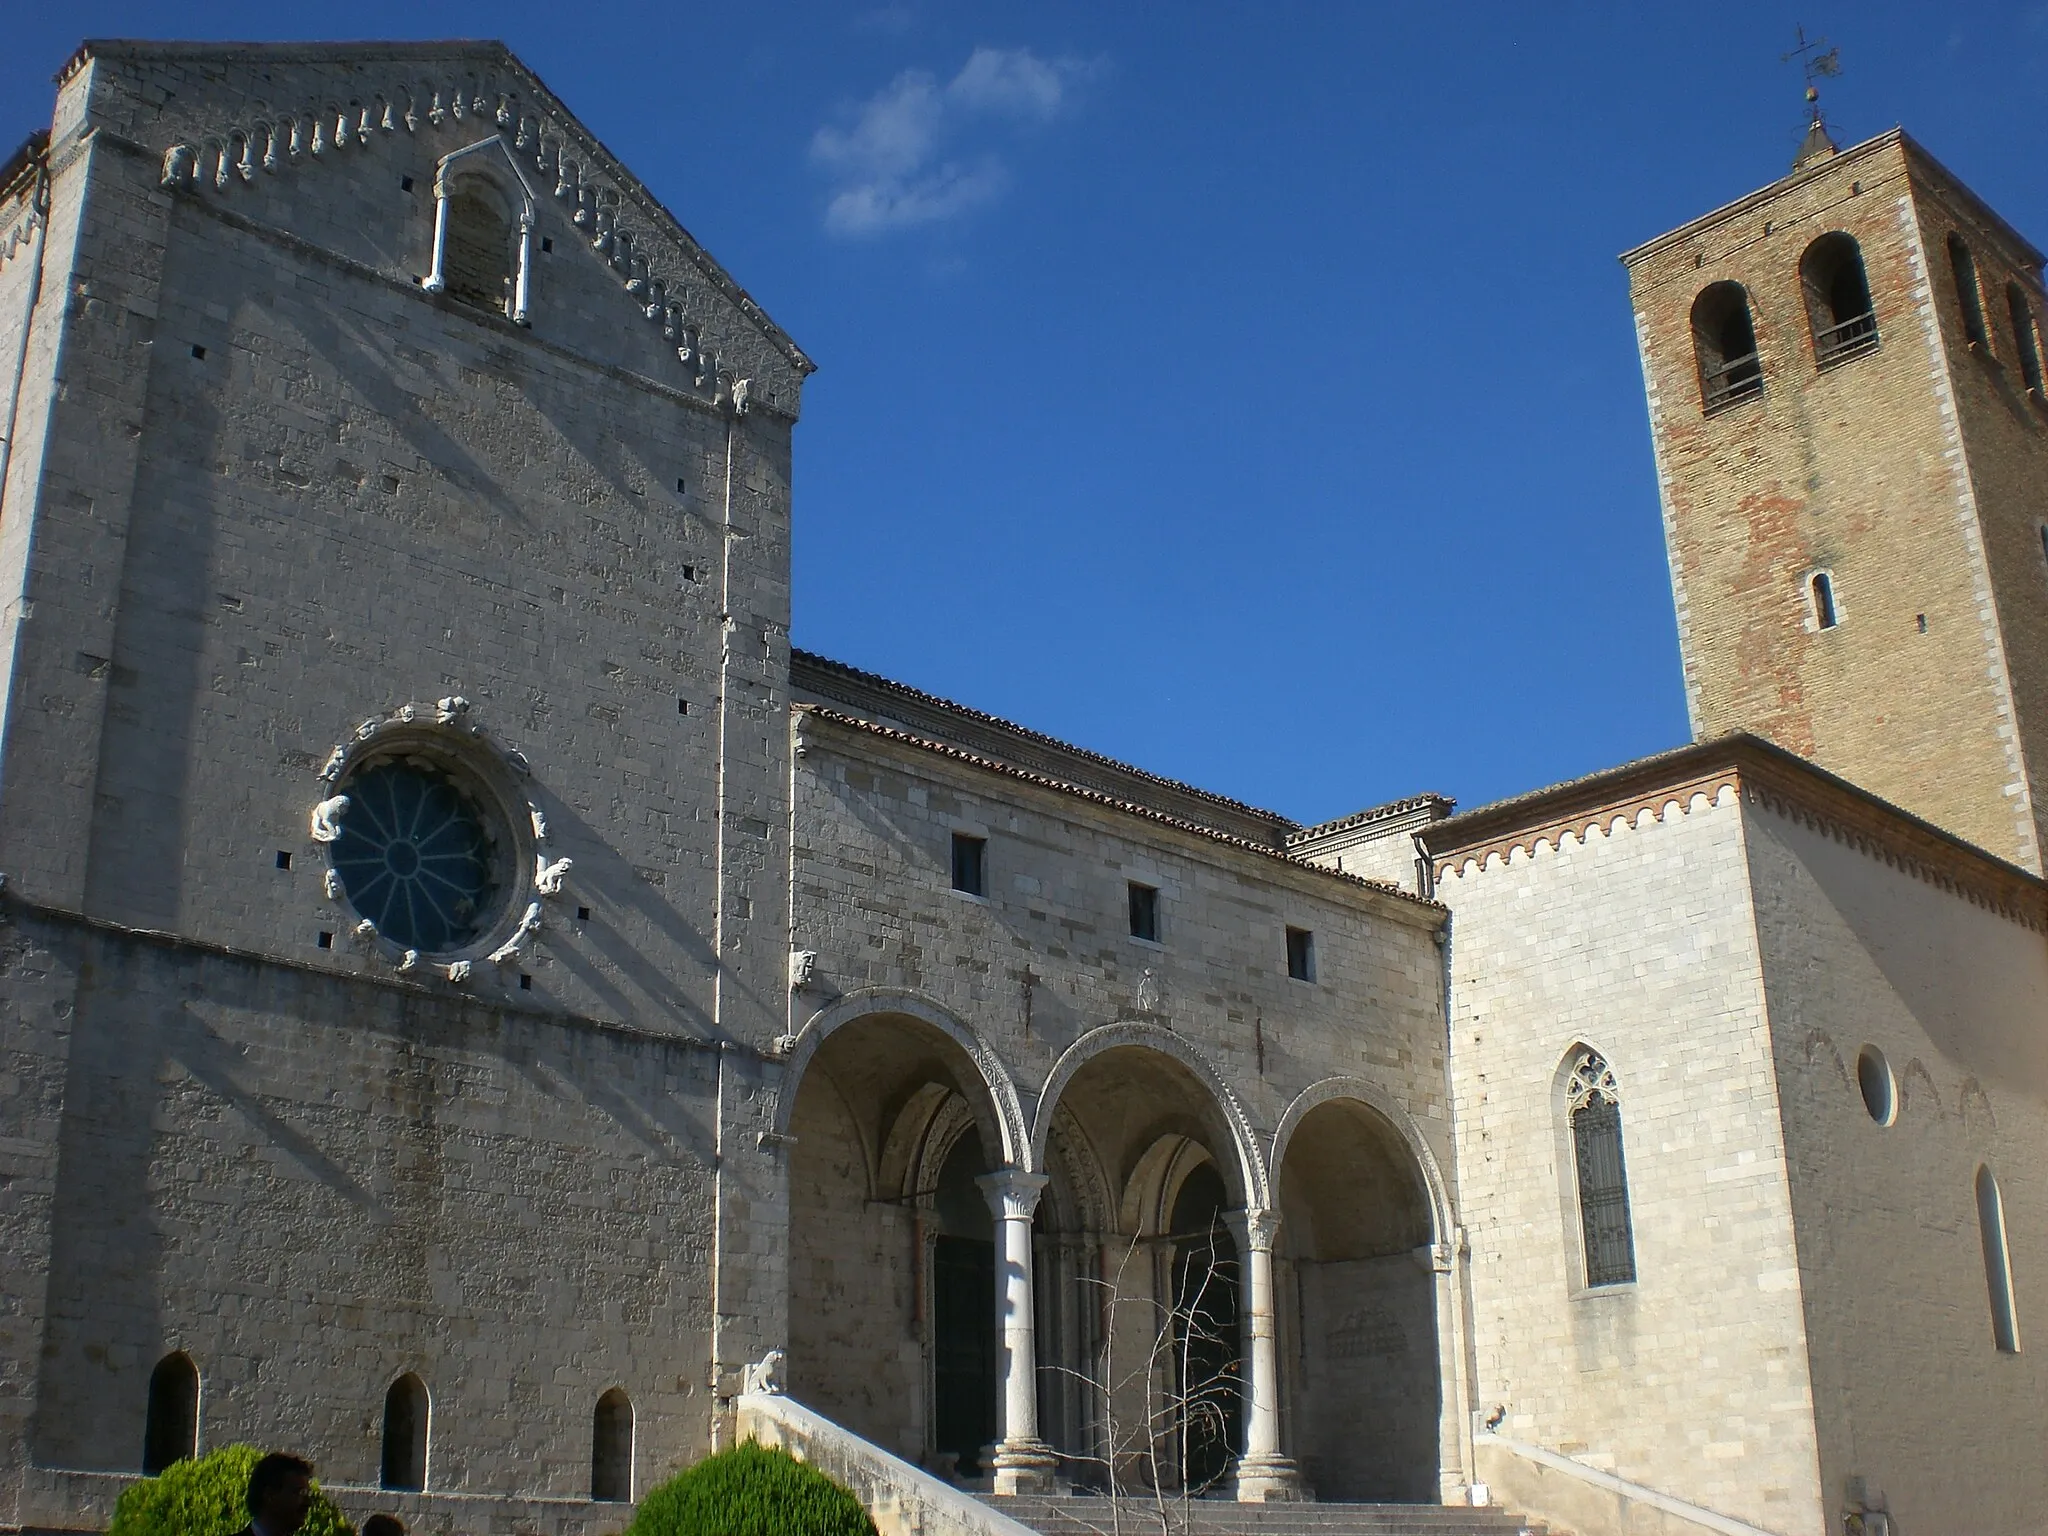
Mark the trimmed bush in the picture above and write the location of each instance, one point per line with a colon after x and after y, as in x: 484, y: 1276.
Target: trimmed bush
x: 750, y: 1490
x: 207, y: 1498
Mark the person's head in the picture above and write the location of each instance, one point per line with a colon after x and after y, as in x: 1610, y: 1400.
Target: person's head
x: 280, y: 1493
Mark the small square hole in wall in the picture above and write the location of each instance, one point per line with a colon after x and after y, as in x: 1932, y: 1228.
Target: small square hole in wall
x: 682, y: 706
x: 199, y: 352
x: 547, y: 244
x: 682, y: 488
x: 1921, y: 620
x: 405, y: 183
x: 284, y: 860
x: 326, y: 939
x: 525, y: 982
x: 689, y: 573
x: 583, y: 914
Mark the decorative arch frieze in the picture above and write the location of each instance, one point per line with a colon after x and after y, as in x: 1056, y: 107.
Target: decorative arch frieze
x: 1157, y: 1037
x: 663, y: 273
x: 1017, y: 1145
x: 1442, y: 1217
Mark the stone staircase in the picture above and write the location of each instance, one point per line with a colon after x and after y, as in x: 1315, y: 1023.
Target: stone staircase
x: 1085, y: 1515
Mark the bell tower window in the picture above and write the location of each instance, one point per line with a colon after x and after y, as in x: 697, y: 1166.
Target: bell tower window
x: 1962, y: 265
x: 2026, y: 336
x: 1838, y: 307
x: 1724, y: 339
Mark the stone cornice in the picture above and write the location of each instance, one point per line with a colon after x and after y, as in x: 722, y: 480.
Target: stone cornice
x: 1763, y: 775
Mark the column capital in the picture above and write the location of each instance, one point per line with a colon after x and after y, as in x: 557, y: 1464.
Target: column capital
x: 1254, y: 1228
x: 1012, y: 1193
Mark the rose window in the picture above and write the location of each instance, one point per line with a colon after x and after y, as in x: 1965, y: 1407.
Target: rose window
x: 418, y: 855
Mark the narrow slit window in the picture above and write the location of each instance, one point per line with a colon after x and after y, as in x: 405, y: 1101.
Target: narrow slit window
x: 1301, y: 954
x: 970, y: 864
x: 1821, y: 587
x: 2026, y: 335
x: 2005, y: 1328
x: 611, y: 1449
x: 170, y: 1433
x: 1593, y: 1104
x: 405, y: 1435
x: 1838, y: 307
x: 1962, y: 263
x: 1144, y: 901
x: 1724, y: 343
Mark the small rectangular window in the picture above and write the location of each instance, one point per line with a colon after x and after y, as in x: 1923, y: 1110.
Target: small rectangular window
x: 970, y: 864
x: 1144, y: 912
x: 1301, y: 954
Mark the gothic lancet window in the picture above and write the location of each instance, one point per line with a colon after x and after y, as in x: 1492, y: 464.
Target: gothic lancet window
x: 405, y: 1434
x: 484, y: 217
x: 611, y: 1449
x: 1593, y: 1108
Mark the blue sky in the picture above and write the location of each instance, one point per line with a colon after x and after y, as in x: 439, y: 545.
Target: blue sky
x: 1246, y: 391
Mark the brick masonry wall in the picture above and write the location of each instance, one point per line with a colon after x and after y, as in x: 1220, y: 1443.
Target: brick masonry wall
x: 1858, y: 469
x: 1638, y: 943
x: 1911, y: 1393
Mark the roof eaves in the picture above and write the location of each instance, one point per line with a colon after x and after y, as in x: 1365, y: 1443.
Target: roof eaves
x: 1110, y: 802
x: 1038, y: 738
x: 1372, y: 813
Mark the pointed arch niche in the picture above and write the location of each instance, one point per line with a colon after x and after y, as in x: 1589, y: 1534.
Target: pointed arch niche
x: 484, y: 217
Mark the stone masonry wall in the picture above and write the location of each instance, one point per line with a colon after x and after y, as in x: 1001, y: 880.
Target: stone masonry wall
x: 312, y: 1185
x: 872, y: 898
x: 1911, y: 1393
x: 1638, y: 943
x: 1857, y: 469
x: 267, y: 489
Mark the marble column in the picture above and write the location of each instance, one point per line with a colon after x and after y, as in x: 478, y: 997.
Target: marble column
x: 1023, y: 1463
x: 1263, y: 1474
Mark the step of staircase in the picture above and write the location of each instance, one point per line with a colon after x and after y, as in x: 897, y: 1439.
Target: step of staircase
x: 1092, y: 1515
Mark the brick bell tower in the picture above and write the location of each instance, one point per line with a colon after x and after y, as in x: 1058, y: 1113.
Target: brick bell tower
x: 1844, y: 373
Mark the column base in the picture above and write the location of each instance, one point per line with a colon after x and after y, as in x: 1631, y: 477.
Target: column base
x: 1024, y: 1466
x: 1267, y: 1480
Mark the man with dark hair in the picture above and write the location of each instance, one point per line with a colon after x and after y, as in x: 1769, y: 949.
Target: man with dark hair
x: 280, y: 1494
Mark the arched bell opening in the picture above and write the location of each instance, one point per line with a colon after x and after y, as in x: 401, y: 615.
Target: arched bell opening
x: 892, y: 1264
x: 1359, y: 1331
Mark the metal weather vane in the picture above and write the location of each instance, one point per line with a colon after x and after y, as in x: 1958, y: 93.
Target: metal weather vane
x: 1817, y: 61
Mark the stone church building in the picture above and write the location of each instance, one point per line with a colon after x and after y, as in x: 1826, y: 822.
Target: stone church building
x: 469, y: 989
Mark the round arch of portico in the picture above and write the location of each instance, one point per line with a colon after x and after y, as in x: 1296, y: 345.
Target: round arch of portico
x: 1381, y: 1103
x: 1156, y: 1037
x: 877, y: 1002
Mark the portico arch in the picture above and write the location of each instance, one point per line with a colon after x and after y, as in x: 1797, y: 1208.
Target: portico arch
x: 1362, y: 1269
x: 894, y: 1110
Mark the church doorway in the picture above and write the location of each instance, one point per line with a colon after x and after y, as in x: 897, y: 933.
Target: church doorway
x: 1361, y: 1374
x: 963, y: 1285
x: 1207, y: 1404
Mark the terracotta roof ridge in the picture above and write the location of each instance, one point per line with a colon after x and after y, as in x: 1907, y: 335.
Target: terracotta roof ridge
x: 1285, y: 824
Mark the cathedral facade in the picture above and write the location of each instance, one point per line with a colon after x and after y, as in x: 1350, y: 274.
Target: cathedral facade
x: 395, y: 513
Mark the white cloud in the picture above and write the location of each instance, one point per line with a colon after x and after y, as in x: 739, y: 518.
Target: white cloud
x: 909, y: 155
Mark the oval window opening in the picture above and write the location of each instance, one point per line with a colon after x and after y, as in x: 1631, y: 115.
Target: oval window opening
x: 1874, y: 1077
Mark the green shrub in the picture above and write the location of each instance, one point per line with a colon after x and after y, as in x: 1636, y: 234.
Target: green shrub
x: 750, y: 1491
x: 207, y: 1498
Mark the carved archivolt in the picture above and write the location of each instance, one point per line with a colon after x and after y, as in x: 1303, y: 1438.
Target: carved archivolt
x: 871, y: 1002
x: 642, y: 255
x: 1383, y: 1104
x: 1156, y: 1037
